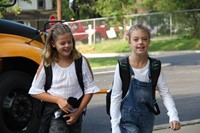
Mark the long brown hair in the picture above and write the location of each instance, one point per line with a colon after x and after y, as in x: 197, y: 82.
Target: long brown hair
x: 50, y: 54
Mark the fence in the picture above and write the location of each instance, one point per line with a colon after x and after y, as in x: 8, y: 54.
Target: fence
x: 171, y: 25
x: 174, y: 24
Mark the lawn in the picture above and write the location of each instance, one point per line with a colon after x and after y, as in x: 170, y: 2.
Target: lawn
x: 120, y: 46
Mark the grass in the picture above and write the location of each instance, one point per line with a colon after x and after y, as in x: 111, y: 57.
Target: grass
x: 175, y: 45
x: 102, y: 62
x: 120, y: 46
x: 108, y: 46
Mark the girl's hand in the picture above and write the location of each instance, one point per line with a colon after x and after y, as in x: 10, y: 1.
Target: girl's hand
x: 64, y: 105
x: 175, y: 125
x: 73, y: 116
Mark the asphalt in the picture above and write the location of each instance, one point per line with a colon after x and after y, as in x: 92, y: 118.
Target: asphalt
x: 192, y: 126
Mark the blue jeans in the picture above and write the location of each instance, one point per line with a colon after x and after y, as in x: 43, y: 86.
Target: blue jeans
x: 60, y: 126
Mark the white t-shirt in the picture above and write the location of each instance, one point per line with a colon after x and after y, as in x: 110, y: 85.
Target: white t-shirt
x: 65, y: 82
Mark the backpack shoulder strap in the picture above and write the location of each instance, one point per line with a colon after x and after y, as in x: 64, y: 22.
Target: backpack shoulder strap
x: 155, y: 67
x: 78, y: 67
x: 124, y: 71
x: 79, y: 73
x: 48, y: 72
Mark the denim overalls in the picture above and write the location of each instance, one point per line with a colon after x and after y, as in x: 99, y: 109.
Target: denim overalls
x: 135, y: 116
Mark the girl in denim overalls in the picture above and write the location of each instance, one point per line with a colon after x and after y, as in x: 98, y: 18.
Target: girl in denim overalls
x: 130, y: 115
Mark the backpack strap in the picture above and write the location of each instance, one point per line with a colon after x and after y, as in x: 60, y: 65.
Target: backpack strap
x: 124, y: 71
x: 78, y: 67
x: 48, y: 72
x: 155, y: 67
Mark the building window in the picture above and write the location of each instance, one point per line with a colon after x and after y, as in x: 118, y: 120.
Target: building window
x: 41, y: 4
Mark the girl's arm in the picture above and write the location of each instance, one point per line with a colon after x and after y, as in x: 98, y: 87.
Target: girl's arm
x: 168, y: 102
x: 61, y: 102
x: 116, y: 99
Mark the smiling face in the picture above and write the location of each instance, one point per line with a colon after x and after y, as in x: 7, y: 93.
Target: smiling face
x: 139, y: 41
x: 63, y: 45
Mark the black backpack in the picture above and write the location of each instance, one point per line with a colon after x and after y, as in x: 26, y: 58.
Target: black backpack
x: 124, y: 70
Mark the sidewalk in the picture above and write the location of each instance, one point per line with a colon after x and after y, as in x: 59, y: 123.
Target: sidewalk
x: 187, y: 127
x: 158, y: 53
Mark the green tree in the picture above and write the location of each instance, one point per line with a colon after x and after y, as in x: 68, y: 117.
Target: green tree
x: 116, y: 10
x: 182, y: 11
x: 85, y: 9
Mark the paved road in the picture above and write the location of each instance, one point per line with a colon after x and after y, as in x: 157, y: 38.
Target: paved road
x: 183, y: 81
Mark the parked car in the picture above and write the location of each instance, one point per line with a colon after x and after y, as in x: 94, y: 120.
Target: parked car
x: 81, y: 32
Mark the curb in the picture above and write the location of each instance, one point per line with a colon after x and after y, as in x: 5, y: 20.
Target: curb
x: 184, y: 123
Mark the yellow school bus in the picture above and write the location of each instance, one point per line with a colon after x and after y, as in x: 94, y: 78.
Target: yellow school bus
x: 20, y: 54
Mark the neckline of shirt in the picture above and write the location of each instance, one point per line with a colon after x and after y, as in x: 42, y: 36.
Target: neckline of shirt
x: 141, y: 69
x: 57, y: 65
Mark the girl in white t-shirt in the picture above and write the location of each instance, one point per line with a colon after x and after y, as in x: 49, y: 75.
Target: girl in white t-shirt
x: 60, y: 52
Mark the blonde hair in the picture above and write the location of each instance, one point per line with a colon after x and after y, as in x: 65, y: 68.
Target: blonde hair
x: 137, y: 27
x: 50, y: 54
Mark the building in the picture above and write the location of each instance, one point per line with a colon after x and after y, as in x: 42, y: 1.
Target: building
x: 33, y: 14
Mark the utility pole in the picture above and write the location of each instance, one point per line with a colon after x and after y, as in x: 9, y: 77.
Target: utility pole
x: 59, y: 10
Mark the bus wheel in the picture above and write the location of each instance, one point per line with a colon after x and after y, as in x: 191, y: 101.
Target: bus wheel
x: 16, y: 106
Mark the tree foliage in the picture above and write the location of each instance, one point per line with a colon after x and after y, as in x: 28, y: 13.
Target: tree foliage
x: 115, y: 8
x: 169, y: 5
x: 183, y: 12
x: 85, y: 10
